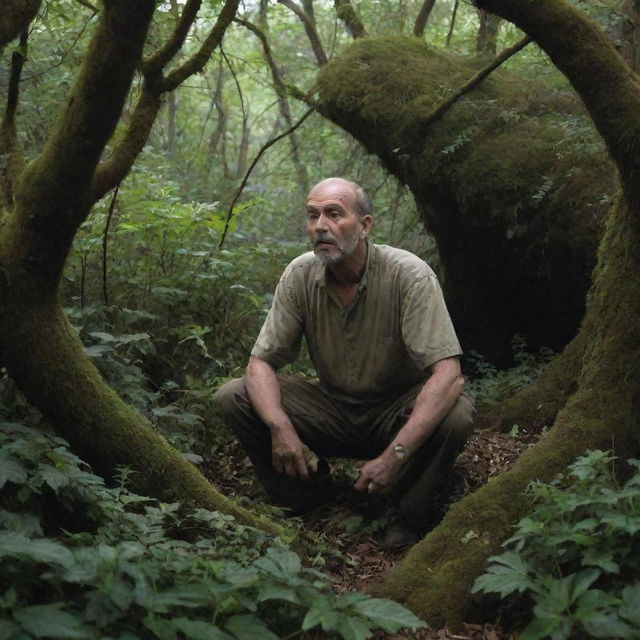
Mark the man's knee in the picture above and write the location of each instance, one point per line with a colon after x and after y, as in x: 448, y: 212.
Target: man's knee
x: 460, y: 420
x: 230, y: 396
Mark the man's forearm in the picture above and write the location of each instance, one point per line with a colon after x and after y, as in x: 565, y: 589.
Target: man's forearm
x: 436, y: 398
x: 263, y: 390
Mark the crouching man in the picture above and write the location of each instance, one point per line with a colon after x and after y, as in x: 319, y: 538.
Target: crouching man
x: 390, y: 387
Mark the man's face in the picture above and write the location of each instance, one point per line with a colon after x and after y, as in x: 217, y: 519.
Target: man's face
x: 333, y: 224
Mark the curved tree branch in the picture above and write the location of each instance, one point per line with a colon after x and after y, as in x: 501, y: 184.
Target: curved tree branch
x: 197, y: 62
x: 310, y: 28
x: 348, y: 15
x: 55, y: 183
x: 113, y: 170
x: 283, y: 104
x: 590, y: 62
x: 243, y: 184
x: 157, y: 61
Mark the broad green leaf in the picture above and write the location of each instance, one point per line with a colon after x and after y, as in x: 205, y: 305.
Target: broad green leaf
x: 248, y: 627
x: 49, y: 621
x: 600, y: 624
x: 163, y: 629
x: 539, y: 628
x: 55, y: 478
x: 11, y: 470
x: 352, y: 628
x: 200, y: 630
x: 388, y: 615
x: 630, y: 609
x: 13, y: 543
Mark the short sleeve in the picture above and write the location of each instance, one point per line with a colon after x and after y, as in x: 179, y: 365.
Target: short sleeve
x: 279, y: 340
x: 427, y: 330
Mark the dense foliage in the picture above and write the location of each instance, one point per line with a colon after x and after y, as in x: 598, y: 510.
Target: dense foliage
x: 81, y: 560
x: 576, y: 557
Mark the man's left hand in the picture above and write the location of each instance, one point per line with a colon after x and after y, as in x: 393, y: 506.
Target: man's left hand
x: 379, y: 475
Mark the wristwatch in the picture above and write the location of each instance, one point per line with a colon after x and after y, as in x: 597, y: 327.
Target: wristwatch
x: 399, y: 451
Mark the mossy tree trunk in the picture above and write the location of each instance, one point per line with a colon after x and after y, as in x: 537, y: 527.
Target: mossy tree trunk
x: 604, y: 410
x: 50, y: 198
x: 517, y: 224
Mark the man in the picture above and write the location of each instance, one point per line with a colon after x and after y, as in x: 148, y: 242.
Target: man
x: 390, y: 387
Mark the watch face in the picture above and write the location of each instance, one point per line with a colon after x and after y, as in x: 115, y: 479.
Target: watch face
x: 400, y: 451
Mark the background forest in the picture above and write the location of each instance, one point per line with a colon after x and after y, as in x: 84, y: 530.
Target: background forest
x: 149, y: 204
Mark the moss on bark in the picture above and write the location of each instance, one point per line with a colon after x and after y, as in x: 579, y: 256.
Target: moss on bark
x: 515, y: 205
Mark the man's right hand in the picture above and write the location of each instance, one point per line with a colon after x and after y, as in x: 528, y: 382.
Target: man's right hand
x: 290, y: 455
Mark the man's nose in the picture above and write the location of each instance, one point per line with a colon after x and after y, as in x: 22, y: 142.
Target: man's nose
x: 321, y: 223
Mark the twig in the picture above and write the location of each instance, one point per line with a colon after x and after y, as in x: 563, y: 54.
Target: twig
x: 112, y: 204
x: 448, y: 102
x: 453, y: 21
x: 86, y: 3
x: 235, y: 79
x: 240, y: 189
x: 64, y: 55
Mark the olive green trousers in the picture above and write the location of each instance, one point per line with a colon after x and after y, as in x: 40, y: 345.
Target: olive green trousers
x: 334, y: 429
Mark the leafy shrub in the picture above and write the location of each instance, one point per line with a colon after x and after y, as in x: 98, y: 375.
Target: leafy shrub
x: 577, y: 556
x: 490, y: 385
x: 138, y: 568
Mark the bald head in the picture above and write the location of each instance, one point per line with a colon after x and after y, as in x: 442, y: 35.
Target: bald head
x: 361, y: 201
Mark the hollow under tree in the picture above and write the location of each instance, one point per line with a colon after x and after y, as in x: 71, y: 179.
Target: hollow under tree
x: 603, y: 408
x: 43, y: 204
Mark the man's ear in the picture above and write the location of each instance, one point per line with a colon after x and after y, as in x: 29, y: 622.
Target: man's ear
x: 367, y: 224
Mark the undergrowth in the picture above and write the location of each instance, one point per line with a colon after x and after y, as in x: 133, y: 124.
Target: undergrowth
x: 82, y: 560
x: 574, y: 563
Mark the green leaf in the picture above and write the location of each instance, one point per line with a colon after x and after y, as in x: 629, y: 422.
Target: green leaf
x: 600, y: 624
x: 388, y: 615
x: 352, y: 628
x: 630, y: 609
x: 539, y: 628
x: 11, y: 471
x: 55, y: 478
x: 39, y: 550
x: 164, y: 629
x: 507, y: 574
x: 200, y: 630
x: 248, y: 627
x: 49, y: 621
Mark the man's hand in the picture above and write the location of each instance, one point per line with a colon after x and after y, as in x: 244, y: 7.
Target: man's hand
x: 290, y: 455
x: 380, y: 475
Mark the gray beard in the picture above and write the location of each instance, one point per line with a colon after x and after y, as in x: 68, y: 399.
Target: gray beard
x: 344, y: 252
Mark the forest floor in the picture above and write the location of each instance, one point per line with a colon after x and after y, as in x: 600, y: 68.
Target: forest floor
x: 351, y: 528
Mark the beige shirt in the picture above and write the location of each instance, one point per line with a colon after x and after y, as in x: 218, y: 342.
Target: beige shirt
x: 397, y: 327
